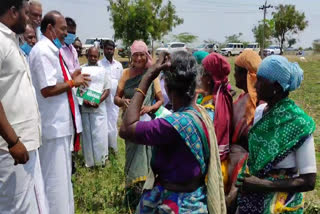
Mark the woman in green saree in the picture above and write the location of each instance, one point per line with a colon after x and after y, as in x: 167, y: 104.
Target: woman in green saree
x: 138, y: 157
x: 281, y: 162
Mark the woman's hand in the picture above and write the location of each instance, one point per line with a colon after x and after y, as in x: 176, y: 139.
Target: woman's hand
x: 163, y: 63
x: 146, y: 110
x: 249, y: 183
x: 125, y: 102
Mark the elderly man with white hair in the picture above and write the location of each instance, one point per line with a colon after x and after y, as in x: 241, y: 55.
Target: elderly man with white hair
x: 35, y: 16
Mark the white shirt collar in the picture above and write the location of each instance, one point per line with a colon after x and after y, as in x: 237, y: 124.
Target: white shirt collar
x: 113, y: 60
x: 6, y: 30
x: 50, y: 44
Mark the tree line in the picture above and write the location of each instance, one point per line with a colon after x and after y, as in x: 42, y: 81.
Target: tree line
x: 151, y: 20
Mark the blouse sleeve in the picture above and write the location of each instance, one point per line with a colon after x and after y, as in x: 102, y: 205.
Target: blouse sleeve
x: 259, y: 113
x: 155, y: 132
x: 157, y: 86
x: 306, y: 157
x: 124, y: 78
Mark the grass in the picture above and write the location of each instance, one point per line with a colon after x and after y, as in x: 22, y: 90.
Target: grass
x: 101, y: 190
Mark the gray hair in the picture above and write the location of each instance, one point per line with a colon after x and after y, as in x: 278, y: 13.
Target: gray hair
x: 35, y: 2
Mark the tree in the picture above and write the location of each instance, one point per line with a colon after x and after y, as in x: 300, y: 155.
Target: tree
x: 142, y: 19
x: 316, y: 46
x: 287, y: 20
x: 210, y: 41
x: 258, y: 32
x: 235, y: 38
x: 291, y: 42
x: 185, y: 37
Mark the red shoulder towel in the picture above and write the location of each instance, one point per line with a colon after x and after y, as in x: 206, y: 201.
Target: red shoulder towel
x: 72, y: 106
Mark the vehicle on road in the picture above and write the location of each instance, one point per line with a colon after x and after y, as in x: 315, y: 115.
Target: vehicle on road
x: 272, y: 50
x: 171, y: 47
x: 253, y: 46
x: 232, y: 49
x: 91, y: 42
x: 207, y: 47
x: 123, y: 52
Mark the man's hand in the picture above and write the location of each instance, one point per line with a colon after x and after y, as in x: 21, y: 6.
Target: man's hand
x: 19, y: 153
x: 80, y: 79
x: 90, y: 104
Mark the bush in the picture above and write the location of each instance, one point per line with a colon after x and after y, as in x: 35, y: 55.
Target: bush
x: 316, y: 47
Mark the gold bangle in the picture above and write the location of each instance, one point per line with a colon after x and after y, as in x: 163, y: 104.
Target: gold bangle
x: 139, y: 90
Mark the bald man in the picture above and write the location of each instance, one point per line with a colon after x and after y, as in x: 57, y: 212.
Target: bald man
x: 30, y: 39
x: 94, y: 118
x: 35, y: 16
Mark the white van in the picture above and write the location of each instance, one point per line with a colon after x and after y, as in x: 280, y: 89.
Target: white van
x: 232, y: 49
x: 171, y: 47
x: 91, y: 42
x: 253, y: 46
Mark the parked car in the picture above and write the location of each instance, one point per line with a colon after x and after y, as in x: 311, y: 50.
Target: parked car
x: 208, y: 47
x: 171, y: 47
x: 253, y: 46
x: 232, y: 49
x: 124, y: 52
x: 91, y: 42
x: 272, y: 50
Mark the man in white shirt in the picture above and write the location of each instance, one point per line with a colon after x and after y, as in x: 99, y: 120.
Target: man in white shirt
x: 21, y: 184
x: 60, y: 117
x: 114, y: 69
x: 94, y: 118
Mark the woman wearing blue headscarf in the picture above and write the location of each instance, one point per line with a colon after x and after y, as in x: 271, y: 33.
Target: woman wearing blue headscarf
x: 281, y: 162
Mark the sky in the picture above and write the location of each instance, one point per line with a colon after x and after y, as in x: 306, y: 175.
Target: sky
x: 207, y: 19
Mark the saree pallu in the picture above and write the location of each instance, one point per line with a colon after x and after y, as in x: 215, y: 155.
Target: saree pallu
x: 207, y: 103
x: 198, y: 133
x: 138, y: 157
x: 281, y: 131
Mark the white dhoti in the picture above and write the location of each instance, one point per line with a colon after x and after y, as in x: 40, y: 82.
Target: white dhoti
x: 55, y: 159
x: 113, y: 114
x: 21, y: 186
x: 94, y: 138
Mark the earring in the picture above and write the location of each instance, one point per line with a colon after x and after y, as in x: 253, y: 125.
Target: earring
x: 274, y: 92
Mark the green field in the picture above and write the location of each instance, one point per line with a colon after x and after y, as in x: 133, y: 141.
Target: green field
x: 101, y: 190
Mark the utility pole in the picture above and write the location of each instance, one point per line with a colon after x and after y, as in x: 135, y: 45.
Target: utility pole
x: 264, y: 8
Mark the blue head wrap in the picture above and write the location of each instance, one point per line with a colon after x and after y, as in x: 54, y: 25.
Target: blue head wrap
x: 278, y: 69
x: 200, y: 55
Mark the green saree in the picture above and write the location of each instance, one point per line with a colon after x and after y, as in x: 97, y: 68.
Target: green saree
x: 281, y: 131
x: 138, y: 157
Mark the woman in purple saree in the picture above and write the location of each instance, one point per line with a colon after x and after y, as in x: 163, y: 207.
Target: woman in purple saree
x: 186, y: 171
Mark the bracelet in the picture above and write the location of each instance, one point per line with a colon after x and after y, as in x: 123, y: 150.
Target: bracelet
x: 139, y: 90
x: 70, y: 83
x: 12, y: 145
